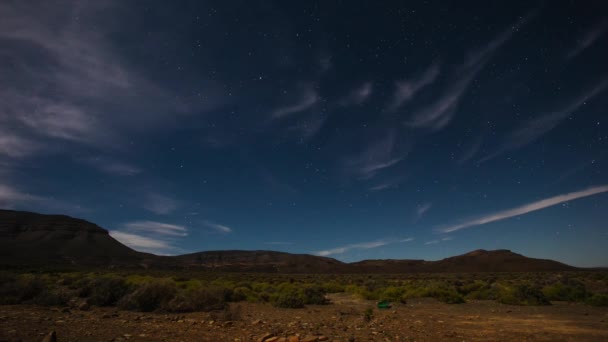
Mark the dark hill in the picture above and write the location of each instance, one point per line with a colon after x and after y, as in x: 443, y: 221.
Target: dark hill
x: 30, y: 238
x: 34, y: 239
x: 266, y: 261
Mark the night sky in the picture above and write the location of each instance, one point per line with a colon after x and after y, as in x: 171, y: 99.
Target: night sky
x: 350, y: 129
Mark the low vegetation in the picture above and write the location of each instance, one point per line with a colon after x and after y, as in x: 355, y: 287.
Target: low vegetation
x: 205, y: 291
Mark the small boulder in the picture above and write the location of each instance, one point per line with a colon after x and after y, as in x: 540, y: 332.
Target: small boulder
x: 51, y: 337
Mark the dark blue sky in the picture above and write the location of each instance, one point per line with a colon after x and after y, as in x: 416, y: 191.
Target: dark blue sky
x: 343, y: 128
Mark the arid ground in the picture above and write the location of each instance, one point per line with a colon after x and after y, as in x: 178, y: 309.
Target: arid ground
x: 343, y: 320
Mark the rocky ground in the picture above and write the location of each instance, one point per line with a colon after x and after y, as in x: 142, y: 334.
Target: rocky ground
x: 344, y: 320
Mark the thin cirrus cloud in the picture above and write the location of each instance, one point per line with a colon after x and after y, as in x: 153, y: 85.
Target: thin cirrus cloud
x: 83, y: 81
x: 158, y: 228
x: 423, y: 208
x: 588, y: 39
x: 218, y: 227
x: 307, y: 98
x: 380, y: 155
x: 160, y: 204
x: 9, y: 196
x: 526, y: 208
x: 16, y: 146
x: 534, y: 129
x: 143, y: 243
x: 363, y: 245
x: 359, y: 95
x: 407, y: 89
x: 113, y: 167
x: 439, y: 113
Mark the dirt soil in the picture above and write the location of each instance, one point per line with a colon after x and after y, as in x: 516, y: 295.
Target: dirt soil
x: 343, y: 320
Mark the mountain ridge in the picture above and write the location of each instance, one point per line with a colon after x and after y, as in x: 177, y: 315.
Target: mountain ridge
x: 28, y: 238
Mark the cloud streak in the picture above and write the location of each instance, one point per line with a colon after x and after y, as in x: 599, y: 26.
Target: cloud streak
x: 376, y: 157
x: 588, y: 39
x: 159, y: 204
x: 440, y: 112
x: 526, y: 208
x: 113, y: 167
x: 534, y: 129
x: 219, y: 227
x: 143, y: 243
x: 423, y: 208
x: 157, y: 228
x: 407, y: 89
x: 306, y: 100
x: 359, y: 95
x: 363, y: 245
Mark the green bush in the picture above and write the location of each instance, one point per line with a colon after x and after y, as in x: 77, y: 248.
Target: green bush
x: 201, y: 299
x: 314, y: 294
x: 288, y: 297
x: 570, y: 291
x: 27, y: 287
x: 53, y: 297
x: 368, y: 314
x: 106, y: 291
x: 150, y: 296
x: 522, y: 294
x: 598, y: 300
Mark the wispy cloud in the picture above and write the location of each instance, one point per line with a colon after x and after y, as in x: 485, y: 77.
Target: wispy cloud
x: 407, y: 89
x: 526, y: 208
x: 15, y: 146
x: 113, y: 167
x: 160, y: 204
x: 64, y: 81
x: 143, y: 243
x: 305, y: 100
x: 218, y: 227
x: 376, y: 157
x: 588, y: 39
x: 12, y: 197
x: 534, y: 129
x: 432, y: 242
x: 157, y: 228
x: 359, y: 95
x: 440, y: 112
x: 278, y: 243
x: 9, y: 196
x: 363, y: 245
x: 423, y: 208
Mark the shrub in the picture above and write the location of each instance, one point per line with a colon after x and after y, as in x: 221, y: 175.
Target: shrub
x: 106, y: 291
x: 288, y: 297
x: 53, y: 297
x: 570, y: 291
x: 522, y: 295
x: 368, y: 314
x: 28, y: 287
x: 314, y: 294
x: 201, y: 299
x: 598, y: 300
x: 150, y: 296
x: 392, y: 294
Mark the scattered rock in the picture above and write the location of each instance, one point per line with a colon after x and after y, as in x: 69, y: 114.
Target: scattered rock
x: 323, y: 338
x: 265, y: 337
x: 51, y: 337
x: 294, y: 339
x: 84, y: 306
x: 310, y: 339
x: 256, y: 322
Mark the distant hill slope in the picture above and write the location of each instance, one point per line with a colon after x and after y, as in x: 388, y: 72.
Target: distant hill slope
x: 268, y: 261
x: 31, y: 238
x: 35, y: 239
